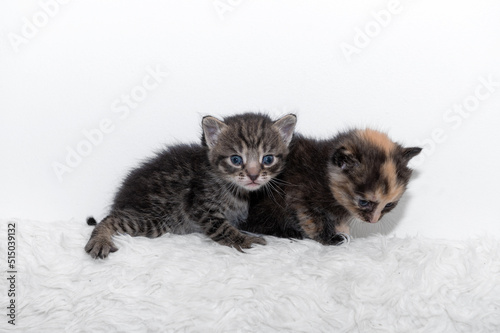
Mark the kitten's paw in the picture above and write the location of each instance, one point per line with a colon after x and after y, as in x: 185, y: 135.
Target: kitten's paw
x: 250, y: 240
x: 344, y: 238
x: 339, y: 239
x: 243, y: 242
x: 100, y: 247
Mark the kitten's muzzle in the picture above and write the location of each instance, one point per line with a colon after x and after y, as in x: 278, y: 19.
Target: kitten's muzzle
x: 253, y: 177
x: 253, y: 185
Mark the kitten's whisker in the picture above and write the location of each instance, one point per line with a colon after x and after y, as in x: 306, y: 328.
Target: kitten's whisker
x: 269, y: 191
x: 281, y: 181
x: 277, y: 187
x: 272, y: 189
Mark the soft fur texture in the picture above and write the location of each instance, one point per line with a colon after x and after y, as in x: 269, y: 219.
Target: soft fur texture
x: 360, y: 174
x: 189, y: 283
x: 199, y: 187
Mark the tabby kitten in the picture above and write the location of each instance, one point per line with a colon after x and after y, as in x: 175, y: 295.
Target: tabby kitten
x: 358, y: 173
x: 199, y: 188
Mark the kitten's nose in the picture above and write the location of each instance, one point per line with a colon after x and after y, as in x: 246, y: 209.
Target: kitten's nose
x: 375, y: 217
x: 253, y: 169
x: 253, y: 177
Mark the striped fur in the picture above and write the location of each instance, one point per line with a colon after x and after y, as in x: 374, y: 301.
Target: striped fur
x: 359, y: 173
x: 196, y: 188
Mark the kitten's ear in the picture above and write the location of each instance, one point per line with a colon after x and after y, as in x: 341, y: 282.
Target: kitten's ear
x: 344, y: 159
x: 212, y: 127
x: 286, y: 127
x: 409, y: 153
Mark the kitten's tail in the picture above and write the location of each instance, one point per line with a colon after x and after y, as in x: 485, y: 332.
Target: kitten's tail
x: 91, y: 221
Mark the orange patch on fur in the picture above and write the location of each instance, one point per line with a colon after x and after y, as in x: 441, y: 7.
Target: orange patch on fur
x: 308, y: 225
x: 393, y: 192
x: 377, y: 138
x: 389, y: 172
x: 340, y: 187
x: 343, y: 228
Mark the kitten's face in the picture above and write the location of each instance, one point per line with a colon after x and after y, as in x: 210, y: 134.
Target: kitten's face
x: 248, y: 150
x: 369, y: 173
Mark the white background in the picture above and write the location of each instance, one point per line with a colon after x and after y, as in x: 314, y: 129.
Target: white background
x: 65, y: 68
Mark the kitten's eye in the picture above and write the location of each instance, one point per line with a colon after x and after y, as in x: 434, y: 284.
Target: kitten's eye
x: 389, y: 205
x: 236, y: 160
x: 268, y: 160
x: 363, y: 203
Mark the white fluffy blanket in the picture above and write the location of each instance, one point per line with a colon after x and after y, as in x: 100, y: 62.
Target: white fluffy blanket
x: 188, y: 283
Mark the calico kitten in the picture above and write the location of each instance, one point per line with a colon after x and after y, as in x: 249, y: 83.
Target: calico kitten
x: 359, y: 173
x: 199, y: 188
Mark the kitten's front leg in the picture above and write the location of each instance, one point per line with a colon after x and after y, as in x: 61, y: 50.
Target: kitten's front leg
x: 343, y: 228
x: 344, y: 231
x: 221, y: 231
x: 100, y: 243
x: 320, y: 227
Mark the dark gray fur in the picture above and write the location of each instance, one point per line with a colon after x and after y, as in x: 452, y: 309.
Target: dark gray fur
x: 196, y: 188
